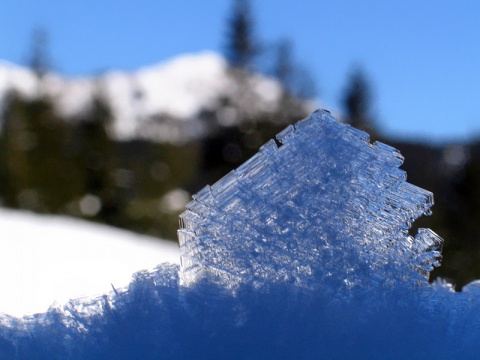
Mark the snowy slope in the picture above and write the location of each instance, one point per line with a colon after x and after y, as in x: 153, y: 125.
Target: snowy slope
x: 178, y: 88
x: 46, y: 258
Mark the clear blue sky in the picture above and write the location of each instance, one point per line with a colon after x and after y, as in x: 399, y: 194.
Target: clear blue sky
x: 422, y: 57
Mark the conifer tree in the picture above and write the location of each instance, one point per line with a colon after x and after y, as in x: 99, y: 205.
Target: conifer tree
x: 39, y: 173
x: 39, y: 59
x: 284, y: 66
x: 241, y: 47
x: 297, y: 84
x: 357, y: 102
x: 97, y: 157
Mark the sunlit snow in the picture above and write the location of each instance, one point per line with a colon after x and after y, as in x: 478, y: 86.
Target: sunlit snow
x: 178, y: 88
x: 47, y: 258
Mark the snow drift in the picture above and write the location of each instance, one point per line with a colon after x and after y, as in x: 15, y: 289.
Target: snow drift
x: 46, y: 259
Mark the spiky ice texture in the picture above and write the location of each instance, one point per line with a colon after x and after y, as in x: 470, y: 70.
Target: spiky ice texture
x: 318, y: 206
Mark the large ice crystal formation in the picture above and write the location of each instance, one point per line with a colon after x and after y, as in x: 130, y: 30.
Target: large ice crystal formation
x: 318, y: 205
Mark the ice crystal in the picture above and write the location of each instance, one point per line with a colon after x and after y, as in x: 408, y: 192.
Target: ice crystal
x: 317, y: 205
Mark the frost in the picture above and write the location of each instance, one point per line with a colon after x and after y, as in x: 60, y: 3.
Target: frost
x: 302, y: 252
x: 317, y: 205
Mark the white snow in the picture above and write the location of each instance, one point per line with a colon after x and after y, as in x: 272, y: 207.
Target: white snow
x: 182, y: 86
x: 47, y: 259
x: 178, y: 88
x: 18, y: 78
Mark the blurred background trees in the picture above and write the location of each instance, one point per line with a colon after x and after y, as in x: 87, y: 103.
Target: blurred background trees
x: 357, y: 103
x: 241, y: 44
x: 73, y: 166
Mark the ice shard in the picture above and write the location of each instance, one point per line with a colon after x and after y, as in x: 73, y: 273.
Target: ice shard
x: 317, y: 206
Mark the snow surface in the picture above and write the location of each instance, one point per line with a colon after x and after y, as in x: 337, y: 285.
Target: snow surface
x: 44, y: 259
x: 178, y: 88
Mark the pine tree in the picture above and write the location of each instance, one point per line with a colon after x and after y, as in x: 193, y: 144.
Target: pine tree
x: 39, y: 59
x: 357, y: 102
x: 241, y: 47
x: 16, y: 140
x: 297, y: 84
x: 38, y: 170
x: 97, y: 159
x: 284, y: 65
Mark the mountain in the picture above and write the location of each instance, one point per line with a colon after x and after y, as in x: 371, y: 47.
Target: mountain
x: 157, y: 101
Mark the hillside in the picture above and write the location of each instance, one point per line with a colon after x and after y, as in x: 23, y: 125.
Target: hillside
x: 169, y: 94
x: 50, y: 258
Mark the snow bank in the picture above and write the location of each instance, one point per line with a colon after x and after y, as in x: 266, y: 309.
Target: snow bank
x: 44, y: 259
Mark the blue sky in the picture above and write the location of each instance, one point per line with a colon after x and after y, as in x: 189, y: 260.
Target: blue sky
x: 422, y: 57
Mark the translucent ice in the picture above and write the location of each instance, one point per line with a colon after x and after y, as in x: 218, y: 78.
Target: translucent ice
x: 318, y: 205
x: 302, y: 252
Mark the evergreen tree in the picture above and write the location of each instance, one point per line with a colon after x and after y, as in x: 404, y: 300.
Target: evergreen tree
x: 97, y: 160
x: 297, y: 84
x: 357, y: 102
x: 39, y: 172
x: 16, y: 140
x: 39, y: 59
x: 38, y: 162
x: 241, y: 47
x: 284, y: 65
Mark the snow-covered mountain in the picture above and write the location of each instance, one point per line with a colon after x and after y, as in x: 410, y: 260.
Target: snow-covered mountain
x: 174, y: 91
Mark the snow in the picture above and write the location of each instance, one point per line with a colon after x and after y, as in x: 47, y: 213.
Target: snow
x: 182, y: 86
x: 178, y: 88
x: 16, y: 77
x: 47, y: 259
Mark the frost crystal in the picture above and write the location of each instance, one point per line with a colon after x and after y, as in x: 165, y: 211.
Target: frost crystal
x: 318, y: 205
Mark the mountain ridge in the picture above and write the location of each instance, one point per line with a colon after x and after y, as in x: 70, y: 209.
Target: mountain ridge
x: 177, y: 90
